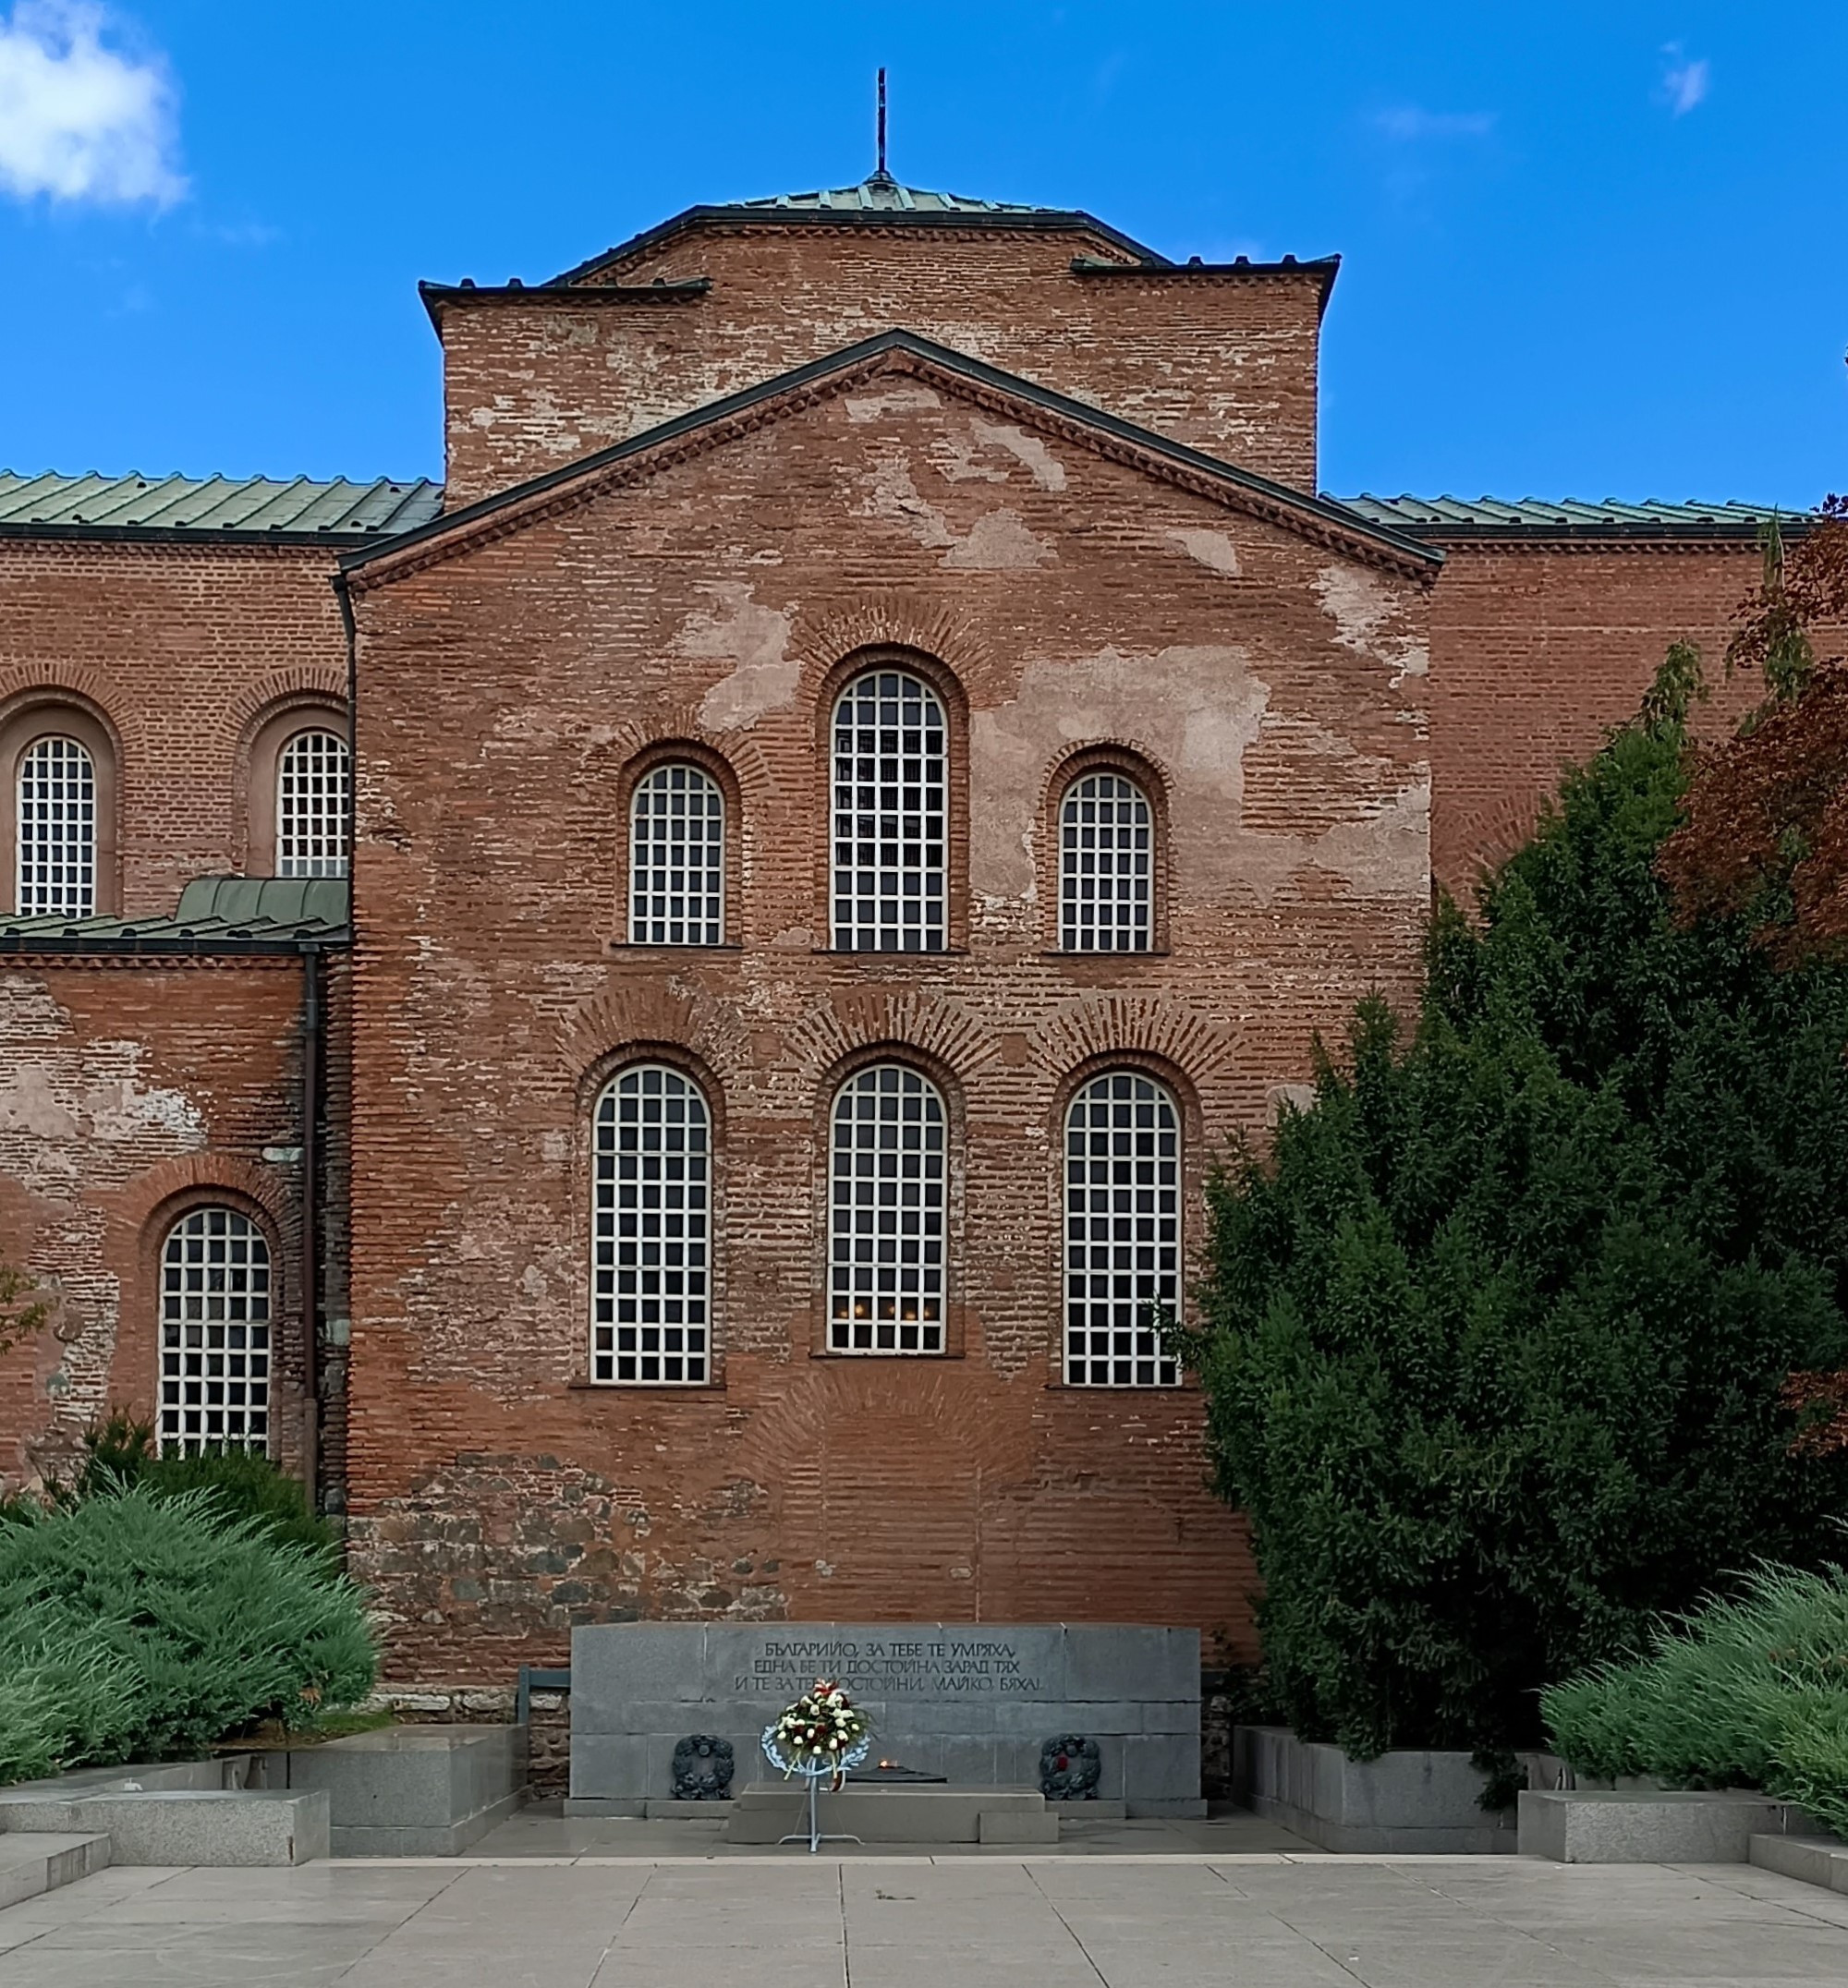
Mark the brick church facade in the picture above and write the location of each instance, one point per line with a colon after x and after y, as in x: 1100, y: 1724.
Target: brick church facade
x: 877, y: 761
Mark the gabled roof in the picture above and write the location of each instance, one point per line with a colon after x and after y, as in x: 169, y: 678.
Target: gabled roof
x: 879, y: 202
x: 215, y: 914
x: 242, y: 510
x: 1318, y: 517
x: 1495, y: 517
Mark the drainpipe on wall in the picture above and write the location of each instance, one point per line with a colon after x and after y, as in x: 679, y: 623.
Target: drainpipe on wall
x: 310, y: 1216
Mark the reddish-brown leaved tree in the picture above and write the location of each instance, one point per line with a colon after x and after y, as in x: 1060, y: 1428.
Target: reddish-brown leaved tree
x: 1766, y: 818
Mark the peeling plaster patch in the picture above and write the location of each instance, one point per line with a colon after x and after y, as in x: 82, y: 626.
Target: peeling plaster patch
x: 755, y: 640
x: 999, y: 542
x: 1213, y: 549
x: 1296, y: 1097
x: 1387, y: 853
x: 891, y: 494
x: 896, y: 400
x: 1361, y: 607
x: 1048, y: 471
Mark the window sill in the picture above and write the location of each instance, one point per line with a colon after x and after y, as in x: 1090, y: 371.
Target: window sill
x: 1102, y: 959
x: 646, y: 945
x: 582, y: 1384
x: 828, y: 1352
x: 1164, y: 1389
x: 888, y: 959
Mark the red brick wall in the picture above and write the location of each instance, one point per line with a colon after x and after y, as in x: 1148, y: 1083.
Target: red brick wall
x: 1226, y: 363
x: 1274, y: 683
x: 182, y: 650
x: 129, y: 1090
x: 1537, y: 650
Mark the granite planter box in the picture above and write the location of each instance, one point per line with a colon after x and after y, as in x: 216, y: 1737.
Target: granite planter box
x: 1397, y: 1805
x: 408, y: 1790
x: 1651, y: 1825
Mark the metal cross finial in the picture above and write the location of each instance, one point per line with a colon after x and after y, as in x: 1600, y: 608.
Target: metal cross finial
x: 881, y: 174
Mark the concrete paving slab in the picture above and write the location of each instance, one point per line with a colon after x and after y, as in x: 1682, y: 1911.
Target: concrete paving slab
x: 1172, y: 1920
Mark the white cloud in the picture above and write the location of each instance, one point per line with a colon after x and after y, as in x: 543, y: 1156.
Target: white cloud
x: 1407, y: 124
x: 79, y: 120
x: 1684, y: 82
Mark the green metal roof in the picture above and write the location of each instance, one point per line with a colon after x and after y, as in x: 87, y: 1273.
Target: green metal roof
x: 1493, y: 517
x: 215, y: 914
x: 882, y: 195
x: 229, y: 508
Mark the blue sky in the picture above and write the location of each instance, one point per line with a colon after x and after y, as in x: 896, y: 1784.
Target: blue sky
x: 1590, y: 250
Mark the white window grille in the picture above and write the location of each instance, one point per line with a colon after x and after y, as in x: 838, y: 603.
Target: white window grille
x: 312, y: 779
x: 891, y: 811
x: 886, y: 1202
x: 1123, y: 1232
x: 214, y: 1334
x: 1106, y: 837
x: 651, y: 1218
x: 56, y: 823
x: 677, y: 859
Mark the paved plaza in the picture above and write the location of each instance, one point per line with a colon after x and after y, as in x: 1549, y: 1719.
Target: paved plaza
x: 1257, y: 1920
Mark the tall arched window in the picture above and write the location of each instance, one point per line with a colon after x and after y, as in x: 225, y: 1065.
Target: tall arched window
x: 313, y: 776
x: 214, y: 1333
x: 1123, y: 1232
x: 651, y: 1305
x: 885, y: 1220
x: 1106, y: 850
x: 678, y: 858
x: 55, y: 829
x: 891, y: 816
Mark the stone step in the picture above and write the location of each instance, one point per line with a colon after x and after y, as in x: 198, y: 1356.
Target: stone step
x: 34, y: 1861
x: 215, y: 1827
x: 769, y: 1809
x: 1812, y: 1859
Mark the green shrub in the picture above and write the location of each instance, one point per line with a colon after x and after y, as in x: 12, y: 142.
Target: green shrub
x: 1493, y: 1339
x: 121, y: 1451
x: 1750, y: 1690
x: 134, y: 1623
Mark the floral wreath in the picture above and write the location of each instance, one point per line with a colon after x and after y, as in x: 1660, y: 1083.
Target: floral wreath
x: 822, y: 1732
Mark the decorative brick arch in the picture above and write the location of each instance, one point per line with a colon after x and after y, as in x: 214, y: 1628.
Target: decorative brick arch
x: 1104, y: 1025
x: 652, y: 1012
x: 904, y: 1020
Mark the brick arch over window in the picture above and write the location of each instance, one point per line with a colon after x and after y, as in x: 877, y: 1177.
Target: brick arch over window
x: 894, y: 758
x: 297, y: 767
x: 59, y: 805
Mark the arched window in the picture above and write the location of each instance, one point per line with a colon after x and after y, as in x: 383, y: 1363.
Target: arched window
x: 650, y: 1302
x: 678, y: 858
x: 891, y: 816
x: 55, y: 829
x: 1106, y: 838
x: 214, y: 1334
x: 1123, y: 1232
x: 885, y: 1221
x: 312, y: 781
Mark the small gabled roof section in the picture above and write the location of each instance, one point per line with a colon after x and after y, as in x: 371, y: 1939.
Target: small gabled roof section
x: 227, y: 915
x: 241, y: 510
x: 1312, y: 516
x: 879, y: 202
x: 1532, y: 517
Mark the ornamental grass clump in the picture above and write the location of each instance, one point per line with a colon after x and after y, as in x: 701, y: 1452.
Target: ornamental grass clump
x: 820, y: 1729
x: 1749, y: 1691
x: 137, y: 1626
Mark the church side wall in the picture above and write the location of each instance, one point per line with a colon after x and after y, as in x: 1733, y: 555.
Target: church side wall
x: 178, y: 650
x: 1538, y: 648
x: 1226, y: 364
x: 130, y: 1091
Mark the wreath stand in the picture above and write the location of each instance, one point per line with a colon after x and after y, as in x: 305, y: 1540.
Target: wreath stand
x: 814, y: 1773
